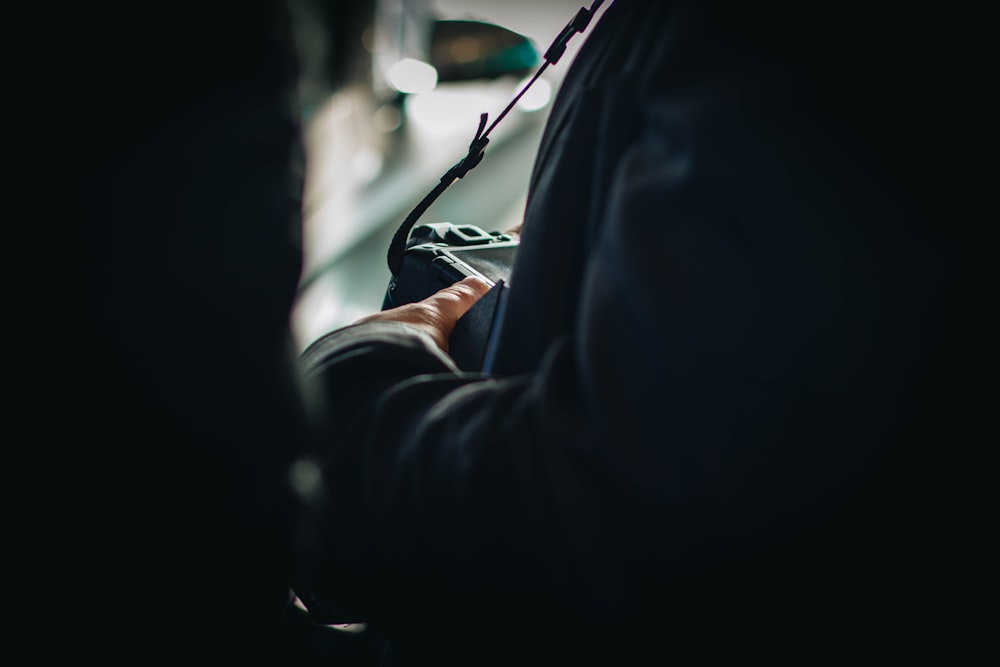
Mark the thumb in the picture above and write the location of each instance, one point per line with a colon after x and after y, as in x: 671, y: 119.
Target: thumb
x: 437, y: 314
x: 454, y: 301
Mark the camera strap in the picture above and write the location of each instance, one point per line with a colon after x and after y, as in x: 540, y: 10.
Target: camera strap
x: 397, y: 247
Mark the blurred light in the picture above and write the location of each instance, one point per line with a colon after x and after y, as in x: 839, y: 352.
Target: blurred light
x: 366, y: 164
x: 537, y: 97
x: 412, y: 76
x: 341, y: 107
x: 441, y: 113
x: 353, y: 628
x: 368, y: 39
x: 465, y: 49
x: 306, y: 478
x: 387, y: 118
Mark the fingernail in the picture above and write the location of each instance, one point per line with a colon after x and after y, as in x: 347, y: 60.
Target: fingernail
x: 477, y: 283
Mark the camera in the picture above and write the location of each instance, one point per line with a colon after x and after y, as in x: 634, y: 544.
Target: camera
x: 440, y: 254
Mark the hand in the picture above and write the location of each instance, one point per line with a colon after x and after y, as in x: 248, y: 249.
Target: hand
x: 438, y: 313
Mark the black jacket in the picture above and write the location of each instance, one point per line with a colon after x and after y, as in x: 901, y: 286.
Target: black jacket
x: 172, y: 380
x: 714, y: 370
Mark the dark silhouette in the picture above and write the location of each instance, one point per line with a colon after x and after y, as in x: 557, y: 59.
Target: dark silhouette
x: 187, y: 162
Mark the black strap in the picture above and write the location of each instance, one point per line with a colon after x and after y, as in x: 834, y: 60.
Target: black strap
x: 477, y: 149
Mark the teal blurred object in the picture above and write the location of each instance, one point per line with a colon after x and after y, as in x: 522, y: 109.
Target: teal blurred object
x: 468, y: 50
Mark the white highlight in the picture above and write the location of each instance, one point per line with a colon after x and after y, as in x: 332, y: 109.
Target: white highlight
x: 537, y: 97
x: 441, y: 113
x: 412, y: 76
x: 306, y: 478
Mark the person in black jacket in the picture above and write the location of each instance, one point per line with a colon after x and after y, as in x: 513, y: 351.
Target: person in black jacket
x: 714, y: 375
x: 183, y: 177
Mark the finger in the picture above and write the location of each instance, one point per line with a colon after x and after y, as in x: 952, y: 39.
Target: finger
x: 456, y: 300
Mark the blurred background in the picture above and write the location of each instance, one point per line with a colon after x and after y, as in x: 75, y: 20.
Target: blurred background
x: 391, y: 93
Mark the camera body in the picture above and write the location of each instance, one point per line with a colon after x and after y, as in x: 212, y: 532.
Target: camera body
x: 440, y: 254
